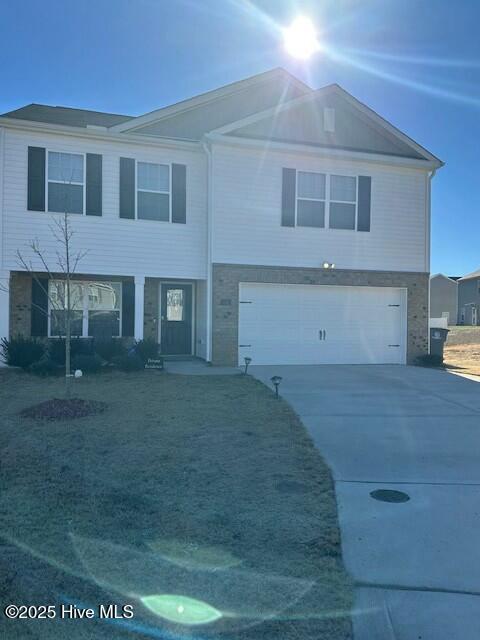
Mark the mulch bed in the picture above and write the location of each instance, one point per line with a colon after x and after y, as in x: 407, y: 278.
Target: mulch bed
x: 63, y: 409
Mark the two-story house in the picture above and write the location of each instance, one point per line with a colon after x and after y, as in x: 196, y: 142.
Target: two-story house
x: 263, y: 219
x: 469, y: 298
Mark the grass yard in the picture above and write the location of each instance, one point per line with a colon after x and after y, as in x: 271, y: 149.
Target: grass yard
x: 205, y: 487
x: 462, y: 350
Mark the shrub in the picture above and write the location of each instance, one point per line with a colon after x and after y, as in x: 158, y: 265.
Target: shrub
x: 129, y: 362
x: 87, y: 363
x: 430, y: 360
x: 45, y: 367
x: 78, y: 346
x: 21, y: 352
x: 110, y: 349
x: 147, y: 348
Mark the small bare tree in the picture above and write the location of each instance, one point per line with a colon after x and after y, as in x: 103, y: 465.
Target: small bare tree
x: 65, y: 297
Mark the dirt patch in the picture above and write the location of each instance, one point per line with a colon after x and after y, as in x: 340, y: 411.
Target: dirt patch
x: 63, y: 409
x: 464, y: 358
x: 462, y: 350
x: 210, y: 472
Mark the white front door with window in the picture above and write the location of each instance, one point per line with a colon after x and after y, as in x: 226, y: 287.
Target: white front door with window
x: 317, y: 324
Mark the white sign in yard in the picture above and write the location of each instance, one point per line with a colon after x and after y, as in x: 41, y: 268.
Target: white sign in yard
x: 154, y: 363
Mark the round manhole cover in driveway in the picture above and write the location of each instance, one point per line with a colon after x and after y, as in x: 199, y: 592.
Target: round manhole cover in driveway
x: 389, y: 495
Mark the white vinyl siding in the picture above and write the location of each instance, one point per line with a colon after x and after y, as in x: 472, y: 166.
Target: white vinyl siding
x: 115, y: 246
x: 247, y: 188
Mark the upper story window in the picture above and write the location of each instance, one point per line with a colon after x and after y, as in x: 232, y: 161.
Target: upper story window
x: 326, y: 200
x: 153, y: 191
x: 343, y: 202
x: 66, y: 182
x: 311, y: 198
x: 95, y: 308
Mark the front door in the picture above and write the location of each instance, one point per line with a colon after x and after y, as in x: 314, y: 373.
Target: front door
x: 176, y: 315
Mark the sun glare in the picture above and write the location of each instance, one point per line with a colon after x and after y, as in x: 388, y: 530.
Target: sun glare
x: 301, y: 38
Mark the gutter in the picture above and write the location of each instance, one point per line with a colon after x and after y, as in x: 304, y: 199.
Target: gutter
x: 100, y: 134
x: 323, y: 152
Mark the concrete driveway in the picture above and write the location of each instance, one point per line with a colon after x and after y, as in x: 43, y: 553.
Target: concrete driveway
x: 416, y: 563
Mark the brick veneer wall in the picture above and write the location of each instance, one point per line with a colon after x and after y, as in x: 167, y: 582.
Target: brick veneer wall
x: 151, y: 307
x: 226, y: 279
x: 20, y: 304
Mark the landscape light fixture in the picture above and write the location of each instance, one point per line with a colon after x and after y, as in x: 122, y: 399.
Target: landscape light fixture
x: 247, y: 362
x: 276, y: 380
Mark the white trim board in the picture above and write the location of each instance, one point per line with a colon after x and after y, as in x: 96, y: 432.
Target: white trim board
x: 379, y: 122
x: 204, y: 98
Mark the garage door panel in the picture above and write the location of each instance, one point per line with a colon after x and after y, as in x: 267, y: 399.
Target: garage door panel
x: 284, y: 324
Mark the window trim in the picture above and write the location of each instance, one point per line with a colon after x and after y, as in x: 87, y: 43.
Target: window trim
x: 85, y: 310
x: 327, y: 200
x: 49, y: 150
x: 169, y: 192
x: 324, y: 200
x: 330, y: 201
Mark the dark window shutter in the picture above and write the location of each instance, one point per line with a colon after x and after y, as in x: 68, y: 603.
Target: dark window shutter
x: 94, y: 185
x: 288, y: 197
x: 128, y: 308
x: 179, y: 193
x: 36, y: 179
x: 39, y: 313
x: 364, y: 202
x: 127, y: 188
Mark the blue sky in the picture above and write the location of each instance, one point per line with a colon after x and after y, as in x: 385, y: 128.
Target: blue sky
x: 416, y: 62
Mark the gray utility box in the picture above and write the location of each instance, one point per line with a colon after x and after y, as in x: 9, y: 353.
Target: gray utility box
x: 438, y: 337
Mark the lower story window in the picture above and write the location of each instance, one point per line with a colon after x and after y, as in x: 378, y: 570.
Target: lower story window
x: 95, y: 308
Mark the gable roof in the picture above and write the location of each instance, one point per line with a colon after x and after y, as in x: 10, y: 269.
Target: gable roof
x: 452, y: 279
x: 469, y: 276
x: 357, y: 127
x: 273, y: 106
x: 66, y: 116
x: 192, y: 118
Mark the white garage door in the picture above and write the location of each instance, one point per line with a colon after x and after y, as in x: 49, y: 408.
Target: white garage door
x: 317, y: 324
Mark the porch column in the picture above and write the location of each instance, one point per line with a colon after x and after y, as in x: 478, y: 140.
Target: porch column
x: 139, y: 306
x: 4, y: 305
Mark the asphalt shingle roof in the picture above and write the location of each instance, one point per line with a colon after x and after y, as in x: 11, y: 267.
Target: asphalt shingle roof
x: 66, y: 116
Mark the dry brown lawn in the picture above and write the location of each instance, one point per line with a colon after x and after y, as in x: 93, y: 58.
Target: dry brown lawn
x: 186, y: 485
x: 462, y: 350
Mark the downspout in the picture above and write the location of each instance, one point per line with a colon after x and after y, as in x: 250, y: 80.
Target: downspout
x: 428, y: 228
x: 208, y: 152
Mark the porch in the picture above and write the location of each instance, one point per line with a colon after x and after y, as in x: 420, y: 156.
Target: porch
x: 170, y: 311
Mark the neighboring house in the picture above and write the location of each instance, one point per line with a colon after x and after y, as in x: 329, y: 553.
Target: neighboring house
x: 469, y: 299
x: 213, y: 225
x: 444, y: 298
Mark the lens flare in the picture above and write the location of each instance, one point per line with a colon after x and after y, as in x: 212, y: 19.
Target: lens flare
x: 181, y: 609
x: 300, y: 38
